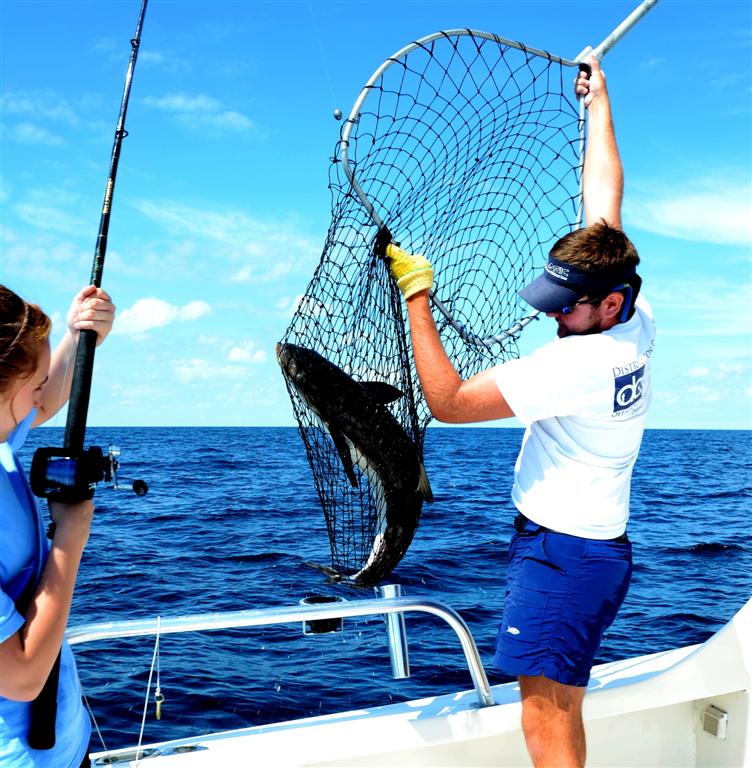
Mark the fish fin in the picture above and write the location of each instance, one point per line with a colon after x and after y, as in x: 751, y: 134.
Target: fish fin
x: 424, y: 486
x: 343, y: 449
x: 325, y: 569
x: 381, y: 391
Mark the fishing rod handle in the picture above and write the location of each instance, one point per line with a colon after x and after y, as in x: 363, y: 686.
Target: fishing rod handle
x: 78, y: 402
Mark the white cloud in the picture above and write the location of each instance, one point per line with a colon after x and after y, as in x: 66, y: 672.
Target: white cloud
x: 705, y: 210
x: 27, y: 133
x: 150, y: 313
x: 193, y: 310
x: 247, y: 353
x: 712, y: 307
x: 200, y: 111
x: 41, y: 105
x: 251, y: 273
x: 197, y: 369
x: 209, y: 339
x: 49, y: 218
x: 44, y: 255
x: 255, y: 250
x: 288, y: 306
x: 166, y: 60
x: 722, y: 372
x: 719, y: 382
x: 704, y: 394
x: 243, y: 275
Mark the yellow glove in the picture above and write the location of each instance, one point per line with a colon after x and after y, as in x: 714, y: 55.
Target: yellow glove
x: 412, y: 272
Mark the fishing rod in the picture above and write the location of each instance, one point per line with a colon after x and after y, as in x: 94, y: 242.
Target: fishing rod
x: 70, y: 474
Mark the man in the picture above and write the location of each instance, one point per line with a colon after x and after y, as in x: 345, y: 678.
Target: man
x: 583, y: 399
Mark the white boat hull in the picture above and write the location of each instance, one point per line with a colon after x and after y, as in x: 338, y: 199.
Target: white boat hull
x: 652, y: 710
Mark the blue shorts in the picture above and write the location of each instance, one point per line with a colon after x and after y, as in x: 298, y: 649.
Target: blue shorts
x: 562, y: 594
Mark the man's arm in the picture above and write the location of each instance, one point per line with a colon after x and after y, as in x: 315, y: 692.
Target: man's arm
x: 449, y: 398
x: 91, y: 309
x: 603, y: 177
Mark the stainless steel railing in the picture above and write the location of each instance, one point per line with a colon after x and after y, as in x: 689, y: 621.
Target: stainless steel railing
x: 261, y: 617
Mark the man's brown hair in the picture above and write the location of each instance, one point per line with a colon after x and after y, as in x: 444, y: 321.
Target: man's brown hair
x: 597, y: 247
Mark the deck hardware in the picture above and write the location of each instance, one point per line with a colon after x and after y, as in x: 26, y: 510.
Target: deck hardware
x: 322, y: 626
x: 715, y: 722
x: 183, y: 748
x: 396, y: 634
x: 126, y: 757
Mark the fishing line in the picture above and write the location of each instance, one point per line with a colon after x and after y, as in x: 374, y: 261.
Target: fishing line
x: 93, y: 719
x: 323, y: 58
x: 154, y: 661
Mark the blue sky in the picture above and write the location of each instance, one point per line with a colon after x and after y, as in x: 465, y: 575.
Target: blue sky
x: 221, y: 205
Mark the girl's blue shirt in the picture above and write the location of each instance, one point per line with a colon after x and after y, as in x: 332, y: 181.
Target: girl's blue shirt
x: 23, y: 554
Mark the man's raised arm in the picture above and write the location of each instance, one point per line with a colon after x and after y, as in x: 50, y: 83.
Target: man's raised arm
x: 603, y: 177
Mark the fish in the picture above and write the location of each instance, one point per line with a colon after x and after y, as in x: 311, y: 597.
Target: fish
x: 365, y: 435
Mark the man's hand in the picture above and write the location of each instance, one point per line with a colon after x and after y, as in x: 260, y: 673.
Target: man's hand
x: 92, y: 309
x: 592, y: 85
x: 413, y: 273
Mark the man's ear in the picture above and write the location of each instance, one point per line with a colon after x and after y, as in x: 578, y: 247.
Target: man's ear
x: 612, y: 306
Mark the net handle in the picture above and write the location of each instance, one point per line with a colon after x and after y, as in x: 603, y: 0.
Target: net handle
x: 610, y: 40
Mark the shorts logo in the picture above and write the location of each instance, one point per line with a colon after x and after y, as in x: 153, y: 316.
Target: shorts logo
x: 513, y: 630
x: 628, y: 389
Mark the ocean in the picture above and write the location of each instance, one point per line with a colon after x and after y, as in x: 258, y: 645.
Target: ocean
x: 232, y: 516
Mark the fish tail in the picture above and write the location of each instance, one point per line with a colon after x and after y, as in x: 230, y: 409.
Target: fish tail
x: 330, y: 572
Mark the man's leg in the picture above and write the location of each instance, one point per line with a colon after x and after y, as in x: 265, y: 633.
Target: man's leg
x: 552, y: 722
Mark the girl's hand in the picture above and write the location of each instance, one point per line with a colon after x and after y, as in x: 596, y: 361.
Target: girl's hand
x: 92, y: 309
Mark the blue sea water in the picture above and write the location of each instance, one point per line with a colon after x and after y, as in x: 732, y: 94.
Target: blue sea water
x: 232, y: 516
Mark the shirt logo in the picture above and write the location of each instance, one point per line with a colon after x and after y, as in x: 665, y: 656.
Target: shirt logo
x: 562, y: 273
x: 628, y: 389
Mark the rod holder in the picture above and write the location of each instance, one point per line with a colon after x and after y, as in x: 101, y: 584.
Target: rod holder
x: 395, y: 634
x: 322, y: 626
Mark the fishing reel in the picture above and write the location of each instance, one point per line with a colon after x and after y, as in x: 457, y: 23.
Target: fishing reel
x: 69, y: 476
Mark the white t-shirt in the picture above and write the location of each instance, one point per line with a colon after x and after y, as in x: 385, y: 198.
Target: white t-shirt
x: 583, y: 400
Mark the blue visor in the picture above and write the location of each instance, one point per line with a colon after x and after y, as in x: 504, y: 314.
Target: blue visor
x: 562, y: 284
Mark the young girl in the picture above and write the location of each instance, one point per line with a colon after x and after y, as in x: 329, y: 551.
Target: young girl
x: 36, y: 577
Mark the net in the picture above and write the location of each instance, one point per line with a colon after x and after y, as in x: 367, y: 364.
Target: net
x: 468, y: 149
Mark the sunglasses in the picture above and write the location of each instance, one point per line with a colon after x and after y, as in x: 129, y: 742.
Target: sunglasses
x: 569, y: 308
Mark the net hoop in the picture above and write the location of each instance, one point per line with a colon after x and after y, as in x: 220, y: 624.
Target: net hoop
x: 464, y: 332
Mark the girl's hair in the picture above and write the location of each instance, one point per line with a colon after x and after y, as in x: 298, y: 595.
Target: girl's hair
x: 23, y: 327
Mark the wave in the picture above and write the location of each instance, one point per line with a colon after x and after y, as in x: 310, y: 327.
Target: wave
x: 258, y: 557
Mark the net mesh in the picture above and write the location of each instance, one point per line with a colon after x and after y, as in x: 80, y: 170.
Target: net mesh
x: 468, y: 150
